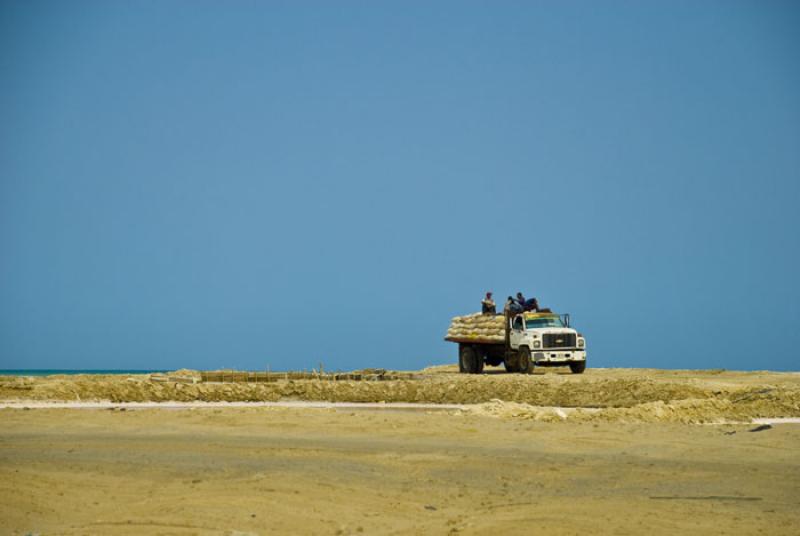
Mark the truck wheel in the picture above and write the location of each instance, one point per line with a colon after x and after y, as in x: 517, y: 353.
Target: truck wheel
x: 577, y: 367
x: 524, y: 360
x: 468, y: 360
x: 478, y: 363
x: 510, y: 366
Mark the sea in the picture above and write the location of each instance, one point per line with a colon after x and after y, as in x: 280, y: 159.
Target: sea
x: 50, y: 372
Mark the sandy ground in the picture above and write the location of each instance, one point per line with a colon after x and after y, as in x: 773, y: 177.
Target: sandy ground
x: 612, y: 451
x: 328, y: 471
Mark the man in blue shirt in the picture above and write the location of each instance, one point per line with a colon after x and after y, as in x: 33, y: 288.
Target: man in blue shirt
x: 527, y: 305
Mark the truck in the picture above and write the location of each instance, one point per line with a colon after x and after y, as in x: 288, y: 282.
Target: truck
x: 521, y: 342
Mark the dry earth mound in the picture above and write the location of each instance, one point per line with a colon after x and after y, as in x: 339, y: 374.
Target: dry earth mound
x: 630, y: 395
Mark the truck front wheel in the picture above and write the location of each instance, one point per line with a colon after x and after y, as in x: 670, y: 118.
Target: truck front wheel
x: 577, y: 367
x: 525, y: 363
x: 510, y: 367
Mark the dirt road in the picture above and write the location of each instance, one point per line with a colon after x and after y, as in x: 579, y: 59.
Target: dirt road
x: 322, y: 471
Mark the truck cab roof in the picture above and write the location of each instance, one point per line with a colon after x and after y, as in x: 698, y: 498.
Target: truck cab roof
x: 533, y: 316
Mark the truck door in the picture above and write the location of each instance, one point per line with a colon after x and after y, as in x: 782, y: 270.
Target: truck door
x: 517, y: 331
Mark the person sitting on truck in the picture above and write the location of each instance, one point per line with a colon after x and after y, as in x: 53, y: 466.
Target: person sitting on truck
x: 488, y: 306
x: 512, y: 307
x: 533, y: 305
x: 527, y: 305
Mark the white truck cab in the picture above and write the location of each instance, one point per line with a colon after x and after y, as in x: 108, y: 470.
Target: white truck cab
x: 548, y: 339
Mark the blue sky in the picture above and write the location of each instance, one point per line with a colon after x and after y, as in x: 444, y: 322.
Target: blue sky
x: 242, y: 184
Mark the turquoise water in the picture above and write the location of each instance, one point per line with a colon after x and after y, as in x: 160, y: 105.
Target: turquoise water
x: 48, y: 372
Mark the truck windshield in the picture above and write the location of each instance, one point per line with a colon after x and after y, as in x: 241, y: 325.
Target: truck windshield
x: 548, y: 322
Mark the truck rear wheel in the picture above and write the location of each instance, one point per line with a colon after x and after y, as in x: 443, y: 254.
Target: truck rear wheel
x: 577, y: 367
x: 525, y: 363
x: 469, y: 360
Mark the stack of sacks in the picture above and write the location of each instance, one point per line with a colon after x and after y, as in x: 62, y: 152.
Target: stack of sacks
x: 477, y: 327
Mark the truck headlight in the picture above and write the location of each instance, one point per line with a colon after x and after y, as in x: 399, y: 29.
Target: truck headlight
x: 581, y: 343
x: 537, y: 344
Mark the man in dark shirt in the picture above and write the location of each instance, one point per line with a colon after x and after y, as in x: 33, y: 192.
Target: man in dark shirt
x: 512, y: 307
x: 527, y: 305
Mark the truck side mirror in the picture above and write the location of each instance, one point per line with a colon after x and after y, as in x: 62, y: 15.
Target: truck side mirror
x: 565, y: 319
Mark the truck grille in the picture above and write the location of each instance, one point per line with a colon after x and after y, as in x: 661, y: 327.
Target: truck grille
x: 558, y: 340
